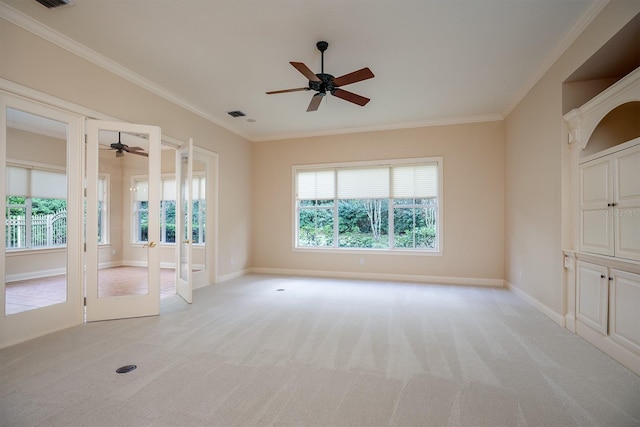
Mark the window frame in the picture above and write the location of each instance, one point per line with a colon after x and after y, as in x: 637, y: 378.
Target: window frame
x: 104, y: 219
x: 30, y: 167
x: 135, y: 216
x: 437, y: 251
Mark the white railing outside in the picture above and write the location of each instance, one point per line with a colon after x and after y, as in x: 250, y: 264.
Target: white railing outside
x: 44, y: 231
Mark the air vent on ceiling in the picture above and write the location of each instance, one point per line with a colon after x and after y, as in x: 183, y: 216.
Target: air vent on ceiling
x: 52, y: 4
x: 236, y: 113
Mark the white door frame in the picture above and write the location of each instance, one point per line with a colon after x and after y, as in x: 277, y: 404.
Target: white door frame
x: 184, y: 221
x: 30, y: 324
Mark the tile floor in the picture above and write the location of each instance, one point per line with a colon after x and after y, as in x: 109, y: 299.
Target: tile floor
x: 30, y: 294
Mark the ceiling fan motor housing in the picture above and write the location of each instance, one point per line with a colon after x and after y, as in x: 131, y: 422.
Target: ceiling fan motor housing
x: 325, y: 85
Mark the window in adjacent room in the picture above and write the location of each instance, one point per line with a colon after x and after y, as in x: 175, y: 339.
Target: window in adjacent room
x: 36, y: 208
x: 168, y: 210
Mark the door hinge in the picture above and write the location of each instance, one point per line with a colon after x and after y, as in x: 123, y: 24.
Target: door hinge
x: 85, y: 301
x: 85, y: 247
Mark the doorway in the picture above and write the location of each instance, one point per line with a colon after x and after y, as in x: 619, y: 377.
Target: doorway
x: 43, y: 288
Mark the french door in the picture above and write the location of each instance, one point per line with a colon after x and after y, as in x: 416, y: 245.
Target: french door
x: 41, y: 182
x: 184, y: 221
x: 122, y: 220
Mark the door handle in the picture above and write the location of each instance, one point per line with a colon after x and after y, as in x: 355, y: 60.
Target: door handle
x: 186, y: 241
x: 150, y: 245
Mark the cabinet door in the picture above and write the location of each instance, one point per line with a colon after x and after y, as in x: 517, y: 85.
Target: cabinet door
x: 626, y: 212
x: 596, y: 213
x: 624, y: 317
x: 592, y: 296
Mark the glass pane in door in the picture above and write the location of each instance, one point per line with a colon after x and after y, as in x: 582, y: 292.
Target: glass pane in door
x: 185, y: 218
x: 123, y: 209
x: 35, y: 212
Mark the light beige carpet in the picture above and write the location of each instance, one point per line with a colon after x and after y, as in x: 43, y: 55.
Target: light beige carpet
x: 320, y: 353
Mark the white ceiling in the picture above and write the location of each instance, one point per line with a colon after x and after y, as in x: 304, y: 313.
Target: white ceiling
x: 435, y: 61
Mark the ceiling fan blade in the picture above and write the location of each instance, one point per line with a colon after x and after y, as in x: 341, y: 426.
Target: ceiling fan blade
x: 139, y: 153
x: 127, y: 148
x: 287, y: 90
x: 351, y: 97
x: 356, y: 76
x: 305, y: 71
x: 315, y: 102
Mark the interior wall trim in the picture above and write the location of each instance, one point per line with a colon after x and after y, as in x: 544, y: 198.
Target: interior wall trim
x: 436, y: 280
x: 35, y: 95
x: 27, y: 23
x: 544, y: 309
x: 581, y: 24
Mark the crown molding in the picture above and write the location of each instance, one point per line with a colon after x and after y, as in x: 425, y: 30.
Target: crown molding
x: 27, y: 23
x: 581, y: 24
x: 394, y: 126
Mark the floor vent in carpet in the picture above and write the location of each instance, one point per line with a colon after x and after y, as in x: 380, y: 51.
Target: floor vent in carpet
x: 126, y: 369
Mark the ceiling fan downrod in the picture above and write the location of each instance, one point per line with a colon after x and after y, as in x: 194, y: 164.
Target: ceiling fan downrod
x: 322, y: 46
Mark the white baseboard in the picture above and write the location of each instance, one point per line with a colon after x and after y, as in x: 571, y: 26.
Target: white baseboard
x: 110, y: 264
x: 617, y: 352
x: 570, y: 322
x: 233, y: 275
x: 547, y: 311
x: 35, y: 274
x: 439, y: 280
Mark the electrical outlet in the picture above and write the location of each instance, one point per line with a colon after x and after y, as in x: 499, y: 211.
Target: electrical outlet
x: 361, y: 261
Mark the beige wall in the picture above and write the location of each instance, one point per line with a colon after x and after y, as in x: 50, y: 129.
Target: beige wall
x: 35, y: 63
x: 534, y: 152
x: 473, y: 200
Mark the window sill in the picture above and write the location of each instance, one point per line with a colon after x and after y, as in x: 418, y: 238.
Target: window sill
x: 368, y: 251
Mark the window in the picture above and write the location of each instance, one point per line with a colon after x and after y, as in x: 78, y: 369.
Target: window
x: 168, y: 210
x: 36, y: 208
x: 141, y: 211
x: 199, y: 210
x: 393, y: 206
x: 103, y: 212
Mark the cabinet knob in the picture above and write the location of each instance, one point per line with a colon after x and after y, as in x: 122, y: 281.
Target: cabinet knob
x: 610, y: 278
x: 602, y: 276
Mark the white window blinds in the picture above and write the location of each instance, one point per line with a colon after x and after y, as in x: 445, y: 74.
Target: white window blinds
x: 36, y: 183
x: 198, y: 188
x: 418, y: 181
x: 17, y: 181
x: 168, y: 189
x: 404, y: 181
x: 142, y: 191
x: 316, y: 185
x: 102, y: 184
x: 363, y: 183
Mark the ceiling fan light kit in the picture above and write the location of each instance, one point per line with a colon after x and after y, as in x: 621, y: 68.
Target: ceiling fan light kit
x: 323, y: 82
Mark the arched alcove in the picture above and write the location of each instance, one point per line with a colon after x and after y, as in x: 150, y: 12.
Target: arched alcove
x: 620, y: 125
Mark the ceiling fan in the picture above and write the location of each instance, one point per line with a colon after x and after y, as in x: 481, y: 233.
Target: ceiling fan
x: 121, y: 148
x: 323, y: 83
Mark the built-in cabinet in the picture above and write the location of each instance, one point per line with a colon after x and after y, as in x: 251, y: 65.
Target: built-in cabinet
x: 607, y: 302
x: 610, y: 203
x: 603, y: 262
